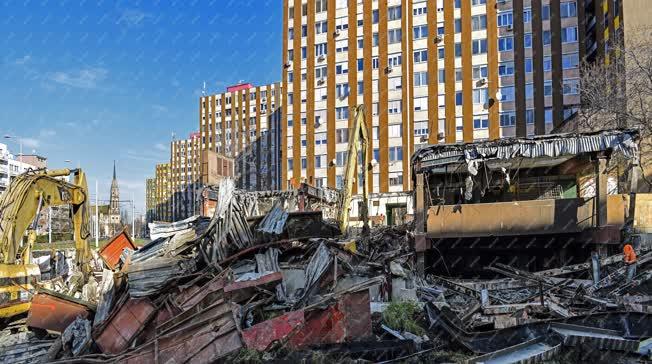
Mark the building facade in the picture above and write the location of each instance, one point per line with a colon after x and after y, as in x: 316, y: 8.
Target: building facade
x: 185, y: 175
x: 150, y: 199
x: 162, y: 196
x: 243, y: 124
x: 427, y: 72
x: 12, y: 165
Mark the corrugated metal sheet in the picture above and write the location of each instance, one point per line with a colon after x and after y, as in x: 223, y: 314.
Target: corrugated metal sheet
x: 112, y: 251
x: 53, y: 311
x: 123, y: 326
x: 553, y: 146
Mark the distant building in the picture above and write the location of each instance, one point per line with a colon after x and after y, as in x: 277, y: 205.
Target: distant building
x: 114, y: 204
x: 163, y: 209
x: 11, y: 165
x: 150, y: 199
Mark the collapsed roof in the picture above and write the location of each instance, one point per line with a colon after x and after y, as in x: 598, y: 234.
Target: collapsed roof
x: 504, y: 152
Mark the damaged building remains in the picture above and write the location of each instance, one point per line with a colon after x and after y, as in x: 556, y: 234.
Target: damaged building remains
x: 513, y: 253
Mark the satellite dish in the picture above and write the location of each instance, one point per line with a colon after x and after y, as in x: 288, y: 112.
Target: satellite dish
x: 499, y: 96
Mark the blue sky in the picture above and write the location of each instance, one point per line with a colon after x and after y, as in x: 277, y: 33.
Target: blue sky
x: 96, y: 81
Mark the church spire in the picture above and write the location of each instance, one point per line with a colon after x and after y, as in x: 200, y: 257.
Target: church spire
x: 114, y: 169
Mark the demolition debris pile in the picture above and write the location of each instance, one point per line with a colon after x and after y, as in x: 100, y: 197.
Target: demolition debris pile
x: 239, y: 288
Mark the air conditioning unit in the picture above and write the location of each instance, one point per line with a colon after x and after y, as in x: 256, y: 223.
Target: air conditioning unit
x: 389, y: 69
x: 287, y: 65
x: 482, y: 81
x: 510, y: 28
x: 336, y: 33
x: 343, y: 97
x: 440, y: 9
x: 321, y: 58
x: 321, y: 81
x: 438, y: 39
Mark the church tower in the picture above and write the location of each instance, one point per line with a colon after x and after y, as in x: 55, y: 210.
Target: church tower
x: 114, y: 205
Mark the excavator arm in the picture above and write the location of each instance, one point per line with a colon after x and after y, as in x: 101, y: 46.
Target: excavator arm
x: 357, y: 144
x: 20, y: 204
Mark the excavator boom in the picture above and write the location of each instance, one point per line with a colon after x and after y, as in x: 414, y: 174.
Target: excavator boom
x: 27, y: 195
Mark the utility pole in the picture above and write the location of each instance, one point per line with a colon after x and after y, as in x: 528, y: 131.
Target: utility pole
x: 133, y: 216
x: 97, y: 215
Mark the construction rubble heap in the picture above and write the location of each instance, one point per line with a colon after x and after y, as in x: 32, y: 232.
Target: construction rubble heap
x: 238, y: 287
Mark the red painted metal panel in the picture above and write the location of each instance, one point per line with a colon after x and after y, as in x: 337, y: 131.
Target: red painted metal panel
x: 54, y: 313
x: 123, y: 326
x: 239, y: 291
x: 242, y: 86
x: 348, y: 320
x: 111, y: 252
x: 261, y: 335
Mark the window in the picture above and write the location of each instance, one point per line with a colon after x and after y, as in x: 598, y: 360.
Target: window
x: 458, y: 25
x: 569, y: 35
x: 360, y: 64
x: 508, y: 118
x: 479, y: 22
x: 395, y: 154
x: 441, y: 30
x: 527, y: 15
x: 529, y: 91
x: 394, y: 107
x: 545, y: 12
x: 505, y: 19
x: 419, y: 9
x: 342, y: 90
x: 291, y: 33
x: 480, y: 72
x: 342, y: 23
x: 320, y: 5
x: 360, y: 43
x: 395, y: 131
x: 569, y: 10
x: 360, y: 87
x: 420, y: 31
x: 527, y: 40
x: 505, y: 44
x: 320, y: 138
x: 394, y: 13
x: 458, y: 98
x: 394, y: 60
x: 304, y: 163
x: 442, y: 76
x: 342, y: 113
x: 480, y: 96
x: 374, y: 39
x: 290, y: 76
x: 320, y: 49
x: 321, y: 27
x: 320, y: 161
x: 571, y: 87
x: 528, y: 65
x: 479, y: 46
x: 529, y: 116
x: 374, y: 16
x: 547, y: 64
x: 478, y: 2
x: 342, y: 135
x: 341, y: 68
x: 507, y: 93
x: 458, y: 49
x: 506, y: 69
x: 394, y: 36
x: 420, y: 103
x: 396, y: 179
x: 480, y: 123
x: 374, y: 63
x: 548, y: 115
x: 547, y: 37
x: 420, y: 79
x: 340, y: 158
x: 290, y: 164
x: 547, y: 88
x: 571, y: 60
x: 440, y: 52
x: 420, y: 56
x: 341, y: 46
x: 339, y: 181
x: 420, y: 128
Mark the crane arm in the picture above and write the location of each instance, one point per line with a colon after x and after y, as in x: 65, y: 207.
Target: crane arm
x: 358, y: 139
x: 31, y: 192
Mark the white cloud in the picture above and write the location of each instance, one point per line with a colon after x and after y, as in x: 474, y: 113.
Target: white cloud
x: 133, y: 17
x: 162, y: 147
x: 30, y: 142
x: 22, y: 60
x: 46, y: 133
x: 87, y: 78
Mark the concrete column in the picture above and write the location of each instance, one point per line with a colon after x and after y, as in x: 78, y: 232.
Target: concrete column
x: 601, y: 190
x: 420, y: 239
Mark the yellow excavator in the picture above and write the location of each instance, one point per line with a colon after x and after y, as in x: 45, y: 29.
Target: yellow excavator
x: 358, y: 139
x: 27, y: 195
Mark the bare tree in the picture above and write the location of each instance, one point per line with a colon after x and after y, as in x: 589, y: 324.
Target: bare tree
x: 618, y: 93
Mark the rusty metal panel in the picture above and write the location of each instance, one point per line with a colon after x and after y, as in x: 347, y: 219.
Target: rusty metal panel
x: 239, y: 291
x: 124, y: 325
x: 53, y: 311
x: 511, y: 218
x: 348, y: 320
x: 259, y: 336
x: 111, y: 252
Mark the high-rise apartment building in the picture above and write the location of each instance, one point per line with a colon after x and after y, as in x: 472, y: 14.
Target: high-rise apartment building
x: 150, y: 199
x: 163, y: 193
x: 427, y: 72
x: 185, y: 175
x: 243, y: 124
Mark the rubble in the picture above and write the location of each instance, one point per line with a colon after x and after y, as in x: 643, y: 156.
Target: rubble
x: 241, y: 287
